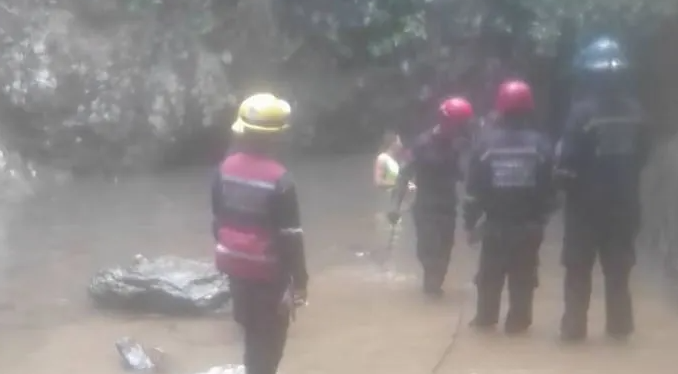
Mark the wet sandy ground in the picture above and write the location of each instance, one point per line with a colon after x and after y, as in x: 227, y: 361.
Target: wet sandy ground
x: 361, y: 317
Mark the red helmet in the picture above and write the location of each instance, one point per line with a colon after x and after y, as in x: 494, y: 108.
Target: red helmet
x: 455, y: 111
x: 514, y: 96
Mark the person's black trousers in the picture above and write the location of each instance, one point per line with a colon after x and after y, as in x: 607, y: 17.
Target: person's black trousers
x: 508, y: 252
x: 435, y: 238
x: 613, y: 243
x: 258, y: 309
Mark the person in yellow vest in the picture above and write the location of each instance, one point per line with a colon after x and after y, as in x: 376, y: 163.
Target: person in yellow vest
x: 386, y: 166
x: 386, y: 170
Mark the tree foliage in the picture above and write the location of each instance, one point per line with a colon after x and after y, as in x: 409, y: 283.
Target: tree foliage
x: 388, y: 25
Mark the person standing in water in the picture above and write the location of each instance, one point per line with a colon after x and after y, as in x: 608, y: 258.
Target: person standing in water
x: 603, y: 150
x: 386, y: 169
x: 435, y: 165
x: 258, y: 232
x: 387, y: 164
x: 510, y: 183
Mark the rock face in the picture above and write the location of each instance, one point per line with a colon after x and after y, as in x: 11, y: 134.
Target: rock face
x: 94, y: 83
x: 100, y: 84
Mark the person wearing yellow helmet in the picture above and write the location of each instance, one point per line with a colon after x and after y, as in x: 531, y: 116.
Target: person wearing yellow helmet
x: 258, y: 232
x: 262, y: 114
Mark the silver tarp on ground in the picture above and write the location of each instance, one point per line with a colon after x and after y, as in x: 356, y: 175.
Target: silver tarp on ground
x: 226, y: 369
x: 165, y: 285
x: 137, y: 358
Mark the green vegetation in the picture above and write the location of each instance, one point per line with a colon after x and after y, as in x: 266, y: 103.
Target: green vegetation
x: 391, y: 25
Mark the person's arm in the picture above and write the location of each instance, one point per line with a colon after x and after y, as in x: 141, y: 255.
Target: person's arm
x: 568, y: 143
x: 569, y: 148
x: 292, y: 256
x: 547, y: 189
x: 473, y: 207
x: 216, y: 204
x: 406, y: 174
x: 463, y: 145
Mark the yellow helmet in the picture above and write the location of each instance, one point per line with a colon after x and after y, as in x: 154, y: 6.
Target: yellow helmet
x: 262, y: 113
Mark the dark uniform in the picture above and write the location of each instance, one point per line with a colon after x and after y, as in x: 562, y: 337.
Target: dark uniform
x: 434, y: 165
x: 510, y: 182
x: 260, y: 248
x: 599, y: 165
x: 601, y: 162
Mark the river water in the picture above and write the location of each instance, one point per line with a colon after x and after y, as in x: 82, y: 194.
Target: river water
x: 101, y: 221
x: 361, y: 317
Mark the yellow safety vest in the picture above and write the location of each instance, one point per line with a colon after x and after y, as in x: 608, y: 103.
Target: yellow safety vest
x: 389, y: 167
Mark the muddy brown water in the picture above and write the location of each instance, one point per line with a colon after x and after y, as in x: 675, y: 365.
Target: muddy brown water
x: 361, y: 318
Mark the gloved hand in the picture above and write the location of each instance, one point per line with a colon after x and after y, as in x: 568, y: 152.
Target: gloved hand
x: 393, y: 217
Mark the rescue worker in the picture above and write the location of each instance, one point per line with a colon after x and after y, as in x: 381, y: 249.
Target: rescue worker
x: 510, y: 183
x: 258, y: 232
x: 434, y: 164
x: 600, y: 158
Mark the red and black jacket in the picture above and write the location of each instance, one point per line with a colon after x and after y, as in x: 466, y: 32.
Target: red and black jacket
x: 256, y: 221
